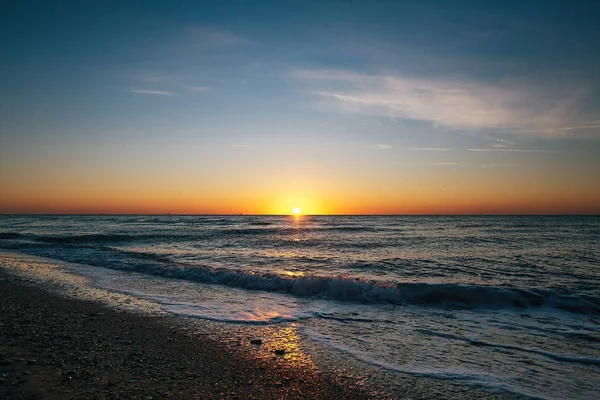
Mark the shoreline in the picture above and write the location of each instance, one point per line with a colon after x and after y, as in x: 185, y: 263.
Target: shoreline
x: 62, y: 338
x: 56, y: 347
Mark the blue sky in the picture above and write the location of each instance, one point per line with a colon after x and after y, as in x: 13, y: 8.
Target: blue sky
x: 330, y: 91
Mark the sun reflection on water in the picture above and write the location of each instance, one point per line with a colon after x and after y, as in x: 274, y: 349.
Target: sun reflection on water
x: 284, y: 342
x: 293, y: 274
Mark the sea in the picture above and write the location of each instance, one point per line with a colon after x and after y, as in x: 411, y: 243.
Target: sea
x: 510, y: 304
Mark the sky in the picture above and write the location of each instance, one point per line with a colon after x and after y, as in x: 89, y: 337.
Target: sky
x: 334, y: 107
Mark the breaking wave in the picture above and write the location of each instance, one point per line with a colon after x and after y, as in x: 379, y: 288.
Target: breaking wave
x: 340, y: 287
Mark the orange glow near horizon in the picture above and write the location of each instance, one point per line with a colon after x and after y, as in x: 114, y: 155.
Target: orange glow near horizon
x: 409, y: 204
x: 397, y: 191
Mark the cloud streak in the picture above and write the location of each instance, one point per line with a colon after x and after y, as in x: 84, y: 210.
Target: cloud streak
x: 430, y: 149
x: 152, y: 92
x: 501, y: 166
x: 451, y: 103
x: 584, y: 125
x: 504, y: 150
x: 435, y: 164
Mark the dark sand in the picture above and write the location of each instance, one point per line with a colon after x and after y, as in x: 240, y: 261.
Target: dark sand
x: 60, y: 348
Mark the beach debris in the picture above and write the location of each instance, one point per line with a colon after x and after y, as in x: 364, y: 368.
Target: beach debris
x: 256, y: 341
x: 69, y: 375
x: 93, y: 314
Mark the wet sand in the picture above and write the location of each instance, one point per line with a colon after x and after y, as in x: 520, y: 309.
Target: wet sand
x: 58, y: 348
x: 61, y: 338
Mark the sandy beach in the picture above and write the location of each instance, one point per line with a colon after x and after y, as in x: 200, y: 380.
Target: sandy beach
x: 63, y: 339
x: 57, y: 348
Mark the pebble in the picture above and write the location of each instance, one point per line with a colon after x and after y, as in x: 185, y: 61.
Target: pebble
x: 71, y: 374
x: 256, y: 341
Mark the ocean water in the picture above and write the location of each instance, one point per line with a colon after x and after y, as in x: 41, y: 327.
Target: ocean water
x: 511, y: 304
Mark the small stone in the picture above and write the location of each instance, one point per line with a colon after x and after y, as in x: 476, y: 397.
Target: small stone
x: 70, y: 375
x: 280, y: 352
x: 256, y: 341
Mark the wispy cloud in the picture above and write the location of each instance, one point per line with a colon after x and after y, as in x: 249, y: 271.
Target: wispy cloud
x: 383, y: 146
x: 503, y: 143
x: 239, y: 145
x: 504, y: 150
x: 583, y: 125
x: 152, y: 92
x: 430, y: 149
x: 450, y: 103
x: 501, y: 165
x: 435, y: 164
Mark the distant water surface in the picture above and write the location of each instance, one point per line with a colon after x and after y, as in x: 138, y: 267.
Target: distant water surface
x: 508, y: 303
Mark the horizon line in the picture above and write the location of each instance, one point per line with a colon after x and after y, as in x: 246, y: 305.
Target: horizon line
x: 307, y: 215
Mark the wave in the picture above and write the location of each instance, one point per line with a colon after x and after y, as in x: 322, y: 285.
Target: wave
x: 472, y: 378
x: 92, y: 238
x: 340, y: 287
x: 69, y: 239
x: 10, y: 235
x: 259, y: 223
x: 258, y: 228
x: 293, y: 230
x: 477, y: 342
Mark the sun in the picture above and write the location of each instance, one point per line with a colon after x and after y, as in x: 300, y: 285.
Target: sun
x: 297, y: 211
